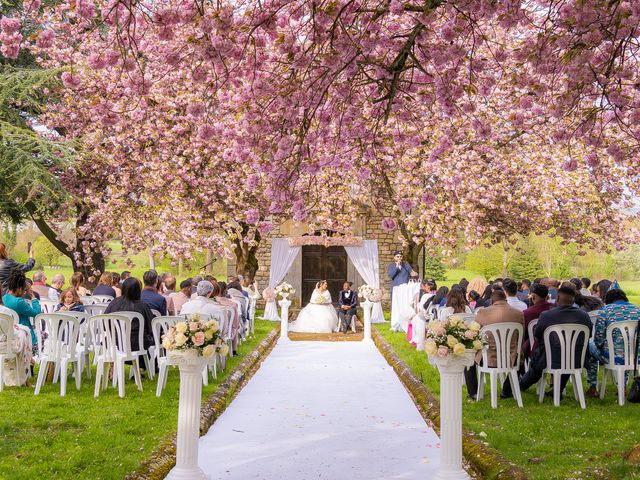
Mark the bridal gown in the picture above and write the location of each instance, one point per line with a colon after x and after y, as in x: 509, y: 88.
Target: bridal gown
x: 318, y: 316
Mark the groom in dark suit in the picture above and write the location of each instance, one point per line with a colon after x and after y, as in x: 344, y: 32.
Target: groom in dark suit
x: 347, y: 302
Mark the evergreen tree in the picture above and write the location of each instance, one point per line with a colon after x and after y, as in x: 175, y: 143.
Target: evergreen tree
x: 525, y: 264
x: 433, y: 267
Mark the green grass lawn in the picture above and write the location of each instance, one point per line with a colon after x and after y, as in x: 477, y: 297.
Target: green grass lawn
x: 551, y: 443
x: 79, y: 437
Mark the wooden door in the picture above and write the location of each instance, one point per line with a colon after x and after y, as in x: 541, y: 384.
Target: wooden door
x: 323, y: 263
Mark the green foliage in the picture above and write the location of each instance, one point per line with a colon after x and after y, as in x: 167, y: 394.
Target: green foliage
x: 434, y: 268
x: 9, y: 235
x: 44, y: 249
x: 549, y: 442
x: 487, y: 261
x: 525, y: 263
x: 79, y: 437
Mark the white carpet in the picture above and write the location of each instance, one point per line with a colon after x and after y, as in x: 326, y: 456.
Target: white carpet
x: 321, y: 410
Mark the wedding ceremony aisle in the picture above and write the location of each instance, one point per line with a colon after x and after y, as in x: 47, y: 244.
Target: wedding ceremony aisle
x: 321, y: 410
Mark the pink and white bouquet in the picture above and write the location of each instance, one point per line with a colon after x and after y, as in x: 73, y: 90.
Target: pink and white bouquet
x: 284, y: 290
x: 195, y: 334
x: 452, y: 336
x: 269, y: 294
x: 373, y: 294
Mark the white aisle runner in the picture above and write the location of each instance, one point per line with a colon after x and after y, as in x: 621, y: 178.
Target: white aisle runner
x: 321, y: 410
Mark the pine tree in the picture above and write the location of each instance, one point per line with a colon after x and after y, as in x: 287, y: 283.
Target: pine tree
x: 434, y: 268
x: 525, y: 264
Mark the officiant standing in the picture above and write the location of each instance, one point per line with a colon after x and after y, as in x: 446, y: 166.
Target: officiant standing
x: 399, y: 271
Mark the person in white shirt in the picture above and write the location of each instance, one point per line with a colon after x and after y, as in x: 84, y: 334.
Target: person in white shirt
x: 203, y: 303
x: 56, y: 287
x: 511, y: 289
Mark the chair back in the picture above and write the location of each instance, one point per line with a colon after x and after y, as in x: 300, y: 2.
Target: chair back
x: 627, y: 332
x: 568, y: 335
x: 6, y: 331
x: 63, y: 332
x: 87, y: 299
x: 112, y: 334
x: 133, y: 316
x: 432, y: 311
x: 161, y: 325
x: 468, y: 317
x: 102, y: 299
x: 48, y: 306
x: 530, y: 329
x: 502, y: 334
x: 155, y: 313
x: 95, y: 309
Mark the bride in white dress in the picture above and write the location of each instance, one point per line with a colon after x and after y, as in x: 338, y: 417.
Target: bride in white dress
x: 318, y: 316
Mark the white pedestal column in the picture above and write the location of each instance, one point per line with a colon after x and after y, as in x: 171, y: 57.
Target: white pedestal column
x: 451, y: 369
x: 366, y: 307
x: 284, y: 319
x: 191, y: 366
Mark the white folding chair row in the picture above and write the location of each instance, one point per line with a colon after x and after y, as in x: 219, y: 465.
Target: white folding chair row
x: 101, y: 299
x: 95, y: 308
x: 531, y: 328
x: 502, y: 334
x: 568, y: 335
x: 627, y: 331
x: 48, y: 306
x: 113, y: 345
x: 252, y: 315
x: 161, y: 325
x: 135, y: 316
x: 6, y: 346
x: 60, y: 349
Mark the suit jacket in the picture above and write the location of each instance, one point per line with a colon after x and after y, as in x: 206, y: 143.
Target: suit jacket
x: 352, y: 301
x: 499, y: 312
x: 400, y: 275
x: 558, y: 316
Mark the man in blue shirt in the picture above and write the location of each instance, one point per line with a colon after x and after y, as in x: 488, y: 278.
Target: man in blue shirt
x: 150, y: 294
x: 399, y: 271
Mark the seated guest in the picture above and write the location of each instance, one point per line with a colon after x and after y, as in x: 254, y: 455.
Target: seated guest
x: 439, y: 299
x: 150, y: 294
x: 588, y: 303
x: 566, y: 312
x: 130, y: 301
x: 77, y: 282
x: 464, y: 285
x: 455, y: 303
x: 123, y: 276
x: 56, y: 287
x: 602, y: 287
x: 105, y: 285
x: 21, y: 346
x: 617, y: 309
x: 115, y: 280
x: 347, y: 303
x: 178, y: 299
x: 511, y: 290
x: 539, y: 296
x: 70, y: 301
x: 485, y: 300
x: 169, y: 289
x: 552, y: 285
x: 29, y: 293
x: 25, y: 309
x: 478, y: 284
x: 499, y: 312
x: 524, y: 290
x: 40, y: 285
x: 473, y: 298
x: 234, y: 292
x: 194, y: 284
x: 220, y: 296
x: 203, y: 303
x: 586, y: 283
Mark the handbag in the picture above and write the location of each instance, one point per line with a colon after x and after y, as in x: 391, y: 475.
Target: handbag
x: 634, y: 393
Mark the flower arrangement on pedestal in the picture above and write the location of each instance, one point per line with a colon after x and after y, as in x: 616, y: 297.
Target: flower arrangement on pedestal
x: 452, y: 336
x: 372, y: 294
x: 284, y: 290
x: 196, y: 335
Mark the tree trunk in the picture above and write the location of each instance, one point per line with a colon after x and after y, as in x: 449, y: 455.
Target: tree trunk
x: 209, y: 261
x: 246, y: 256
x: 505, y: 258
x: 152, y: 261
x: 412, y: 255
x: 180, y: 266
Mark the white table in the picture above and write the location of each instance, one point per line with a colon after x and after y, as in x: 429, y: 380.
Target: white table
x: 402, y: 305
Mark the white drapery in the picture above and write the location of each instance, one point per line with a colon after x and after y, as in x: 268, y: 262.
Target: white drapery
x: 282, y: 257
x: 365, y: 259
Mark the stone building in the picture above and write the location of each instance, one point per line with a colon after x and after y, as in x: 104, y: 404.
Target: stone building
x: 314, y: 263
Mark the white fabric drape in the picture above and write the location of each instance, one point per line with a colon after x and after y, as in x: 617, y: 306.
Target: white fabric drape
x: 365, y: 259
x: 282, y: 257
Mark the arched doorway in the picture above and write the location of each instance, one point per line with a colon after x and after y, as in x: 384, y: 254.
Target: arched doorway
x: 323, y: 263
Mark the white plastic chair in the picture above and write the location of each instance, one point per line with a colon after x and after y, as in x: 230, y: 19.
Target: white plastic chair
x: 468, y: 317
x: 155, y: 313
x: 61, y: 348
x: 502, y: 334
x: 160, y: 355
x: 95, y: 309
x: 141, y: 350
x: 86, y: 299
x: 530, y: 329
x: 48, y: 306
x: 113, y: 331
x: 433, y: 311
x: 252, y: 315
x: 6, y: 349
x: 617, y: 373
x: 102, y: 299
x: 568, y: 335
x: 84, y: 341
